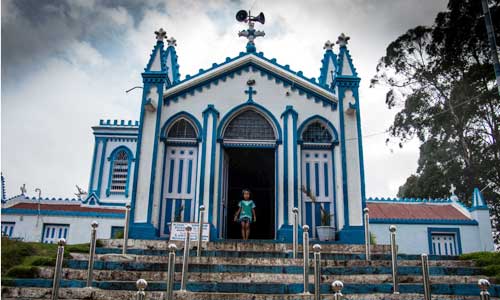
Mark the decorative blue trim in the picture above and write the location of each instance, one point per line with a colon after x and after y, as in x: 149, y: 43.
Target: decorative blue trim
x: 21, y: 211
x: 210, y: 110
x: 101, y: 166
x: 126, y: 123
x: 249, y: 145
x: 289, y: 110
x: 111, y: 159
x: 285, y: 169
x: 478, y: 200
x: 321, y: 119
x: 328, y: 57
x: 181, y: 115
x: 410, y: 200
x: 174, y: 74
x: 456, y: 231
x: 92, y: 169
x: 93, y: 199
x: 152, y: 183
x: 120, y: 134
x: 157, y: 51
x: 345, y: 191
x: 422, y: 221
x: 242, y: 107
x: 265, y: 72
x: 334, y: 188
x: 344, y: 52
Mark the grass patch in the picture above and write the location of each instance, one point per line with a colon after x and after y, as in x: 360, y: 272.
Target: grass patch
x: 22, y: 259
x: 488, y: 261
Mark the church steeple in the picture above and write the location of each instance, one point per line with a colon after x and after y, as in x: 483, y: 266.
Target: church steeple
x: 171, y: 61
x: 328, y: 65
x: 156, y: 61
x: 345, y: 65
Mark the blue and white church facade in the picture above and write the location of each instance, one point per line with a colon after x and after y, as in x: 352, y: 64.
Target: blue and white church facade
x: 251, y: 122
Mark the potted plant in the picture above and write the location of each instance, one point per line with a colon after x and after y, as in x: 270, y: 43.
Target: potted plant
x: 325, y: 231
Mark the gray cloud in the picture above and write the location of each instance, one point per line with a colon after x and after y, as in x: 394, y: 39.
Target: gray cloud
x: 65, y: 64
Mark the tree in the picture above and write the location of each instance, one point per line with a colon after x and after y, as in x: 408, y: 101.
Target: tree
x: 442, y: 78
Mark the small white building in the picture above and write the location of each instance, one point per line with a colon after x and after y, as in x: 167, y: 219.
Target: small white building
x: 248, y: 122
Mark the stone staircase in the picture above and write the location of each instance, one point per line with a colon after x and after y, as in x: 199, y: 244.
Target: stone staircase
x: 244, y: 270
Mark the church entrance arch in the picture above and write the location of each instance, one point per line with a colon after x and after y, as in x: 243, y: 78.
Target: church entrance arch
x: 248, y: 160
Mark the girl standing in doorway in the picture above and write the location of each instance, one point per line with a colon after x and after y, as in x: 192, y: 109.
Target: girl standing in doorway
x: 245, y: 214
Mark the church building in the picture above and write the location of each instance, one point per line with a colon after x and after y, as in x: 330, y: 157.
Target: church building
x: 253, y: 122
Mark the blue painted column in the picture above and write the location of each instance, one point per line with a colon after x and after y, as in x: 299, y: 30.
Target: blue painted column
x: 290, y: 173
x: 207, y: 174
x: 155, y: 81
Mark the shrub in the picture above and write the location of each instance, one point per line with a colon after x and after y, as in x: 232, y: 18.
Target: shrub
x: 23, y: 272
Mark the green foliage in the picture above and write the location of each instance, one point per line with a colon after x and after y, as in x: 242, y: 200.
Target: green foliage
x: 23, y: 272
x: 373, y: 239
x: 489, y: 261
x: 441, y: 79
x: 20, y: 259
x: 326, y: 217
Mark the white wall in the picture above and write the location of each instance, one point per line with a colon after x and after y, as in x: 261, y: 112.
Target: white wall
x: 79, y: 227
x: 413, y: 238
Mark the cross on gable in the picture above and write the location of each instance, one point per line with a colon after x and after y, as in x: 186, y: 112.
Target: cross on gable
x: 161, y: 35
x: 452, y: 189
x: 250, y: 92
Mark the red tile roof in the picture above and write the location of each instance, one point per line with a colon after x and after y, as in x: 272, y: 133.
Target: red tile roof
x: 414, y: 211
x: 66, y: 207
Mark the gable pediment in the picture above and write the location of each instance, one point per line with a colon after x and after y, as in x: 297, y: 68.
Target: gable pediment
x: 245, y: 62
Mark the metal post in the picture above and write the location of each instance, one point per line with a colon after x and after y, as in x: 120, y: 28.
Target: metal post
x: 90, y: 270
x: 367, y: 234
x: 185, y: 257
x: 425, y: 276
x: 125, y: 229
x: 305, y: 254
x: 484, y: 285
x: 58, y: 268
x: 394, y: 260
x: 141, y: 285
x: 171, y: 271
x: 317, y: 271
x: 200, y: 230
x: 295, y: 211
x: 337, y: 287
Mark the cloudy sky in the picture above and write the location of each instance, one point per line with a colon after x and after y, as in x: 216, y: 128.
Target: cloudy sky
x: 66, y: 64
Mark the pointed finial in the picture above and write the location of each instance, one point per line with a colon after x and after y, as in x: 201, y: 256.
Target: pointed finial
x: 328, y: 45
x: 171, y: 42
x: 342, y: 40
x: 23, y: 188
x: 160, y: 35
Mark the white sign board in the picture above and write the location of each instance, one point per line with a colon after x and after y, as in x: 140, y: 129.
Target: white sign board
x: 178, y: 232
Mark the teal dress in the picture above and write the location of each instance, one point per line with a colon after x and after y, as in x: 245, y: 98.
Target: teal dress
x: 246, y: 210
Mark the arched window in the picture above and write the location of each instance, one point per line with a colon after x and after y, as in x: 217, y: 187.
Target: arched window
x: 182, y: 129
x: 119, y: 174
x: 317, y: 132
x: 249, y: 125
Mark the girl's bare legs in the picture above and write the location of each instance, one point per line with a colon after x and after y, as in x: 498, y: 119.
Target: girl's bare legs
x: 243, y: 224
x: 247, y: 230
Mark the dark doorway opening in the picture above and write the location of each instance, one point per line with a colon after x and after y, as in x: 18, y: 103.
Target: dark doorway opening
x: 253, y: 169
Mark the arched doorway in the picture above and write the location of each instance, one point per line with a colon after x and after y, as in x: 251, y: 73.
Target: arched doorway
x: 248, y: 160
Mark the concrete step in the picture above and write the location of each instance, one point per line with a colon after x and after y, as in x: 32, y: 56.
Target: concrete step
x: 260, y: 288
x: 15, y: 293
x: 271, y: 254
x: 277, y: 269
x: 267, y: 261
x: 240, y: 245
x: 246, y: 277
